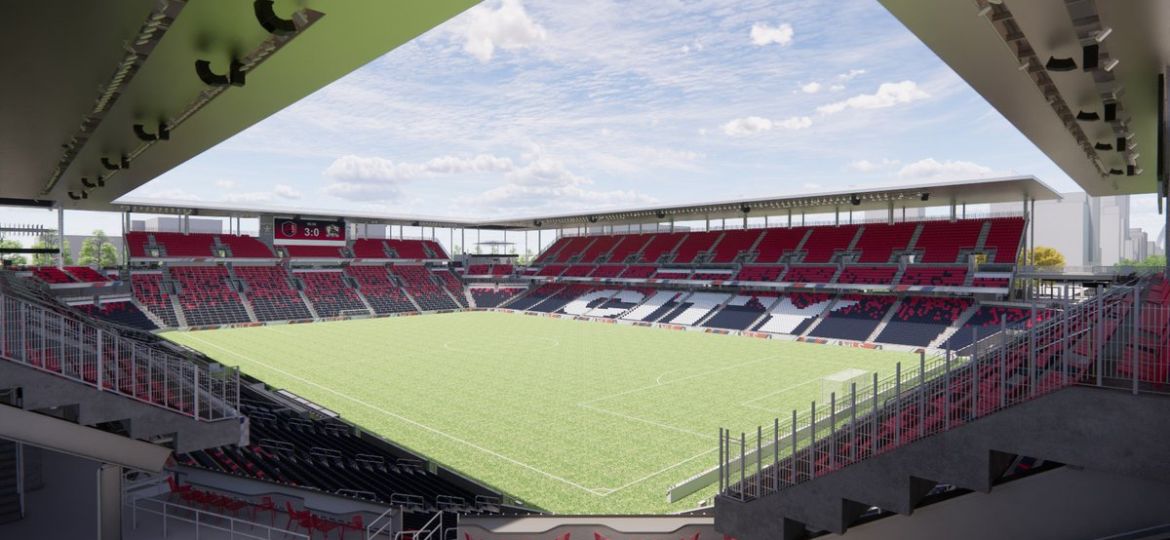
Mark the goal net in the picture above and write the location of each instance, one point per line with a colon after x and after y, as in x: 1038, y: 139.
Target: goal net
x: 840, y: 384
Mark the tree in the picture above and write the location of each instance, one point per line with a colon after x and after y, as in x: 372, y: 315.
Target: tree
x: 12, y: 258
x: 1044, y: 256
x: 1153, y: 261
x: 98, y: 250
x: 48, y: 259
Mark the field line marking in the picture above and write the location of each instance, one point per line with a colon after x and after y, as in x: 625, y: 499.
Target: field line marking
x: 658, y: 472
x: 780, y: 391
x: 645, y: 421
x: 672, y: 381
x: 402, y: 418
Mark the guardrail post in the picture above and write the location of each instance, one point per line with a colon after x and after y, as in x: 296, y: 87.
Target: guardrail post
x: 921, y: 393
x: 792, y: 460
x: 195, y: 394
x: 832, y: 430
x: 101, y: 361
x: 1100, y: 331
x: 1032, y: 357
x: 873, y: 417
x: 812, y: 443
x: 853, y: 421
x: 1137, y: 318
x: 759, y: 450
x: 898, y: 404
x: 721, y: 460
x: 947, y: 392
x: 776, y: 453
x: 742, y: 460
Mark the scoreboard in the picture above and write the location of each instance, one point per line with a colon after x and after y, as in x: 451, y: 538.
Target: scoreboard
x: 308, y: 232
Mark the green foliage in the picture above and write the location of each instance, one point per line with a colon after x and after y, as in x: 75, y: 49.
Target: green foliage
x: 1153, y: 261
x: 12, y: 258
x: 48, y: 259
x: 553, y: 412
x: 98, y: 250
x: 1044, y: 256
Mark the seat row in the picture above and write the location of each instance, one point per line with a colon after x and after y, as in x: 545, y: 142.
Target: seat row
x: 200, y: 245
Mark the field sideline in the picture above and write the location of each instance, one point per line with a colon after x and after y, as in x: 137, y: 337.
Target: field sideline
x: 567, y: 416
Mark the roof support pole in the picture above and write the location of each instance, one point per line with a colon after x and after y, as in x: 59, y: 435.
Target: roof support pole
x: 802, y: 218
x: 745, y: 220
x: 671, y: 223
x: 478, y: 233
x: 890, y: 215
x: 836, y: 215
x: 953, y: 210
x: 789, y: 218
x: 125, y: 244
x: 964, y: 210
x: 61, y: 237
x: 706, y: 222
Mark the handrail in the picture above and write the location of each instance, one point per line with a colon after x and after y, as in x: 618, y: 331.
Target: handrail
x: 570, y: 233
x: 205, y: 519
x: 1099, y: 342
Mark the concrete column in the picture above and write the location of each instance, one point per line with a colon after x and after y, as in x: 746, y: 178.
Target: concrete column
x: 953, y: 210
x: 745, y: 221
x: 109, y: 502
x: 706, y: 222
x: 890, y: 215
x: 836, y: 215
x: 789, y: 218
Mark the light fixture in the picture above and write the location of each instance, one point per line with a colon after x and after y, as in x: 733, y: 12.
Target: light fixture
x: 1088, y: 116
x: 1061, y: 64
x: 268, y: 19
x: 985, y: 10
x: 1103, y: 146
x: 234, y: 76
x: 1102, y: 34
x: 1112, y: 63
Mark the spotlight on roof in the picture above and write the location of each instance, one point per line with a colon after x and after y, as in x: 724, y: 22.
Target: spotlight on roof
x: 163, y: 134
x: 123, y: 163
x: 1090, y: 56
x: 537, y: 223
x: 1110, y: 111
x: 924, y: 197
x: 1130, y: 170
x: 414, y: 224
x: 89, y: 185
x: 1112, y: 63
x: 1116, y: 172
x: 856, y: 200
x: 74, y: 196
x: 1102, y: 34
x: 268, y: 19
x: 592, y: 219
x: 660, y: 214
x: 1103, y: 146
x: 745, y: 209
x: 1060, y: 64
x: 1088, y: 116
x: 234, y: 76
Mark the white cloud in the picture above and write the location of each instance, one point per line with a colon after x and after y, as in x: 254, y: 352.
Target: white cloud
x: 754, y: 124
x: 286, y: 191
x: 762, y: 34
x: 811, y: 88
x: 932, y: 169
x: 509, y: 27
x: 361, y: 178
x: 225, y: 184
x: 546, y: 184
x: 836, y: 88
x: 172, y: 194
x: 867, y: 166
x: 850, y: 75
x: 887, y: 95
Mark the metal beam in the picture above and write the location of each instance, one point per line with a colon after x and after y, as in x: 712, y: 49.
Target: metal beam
x: 66, y: 437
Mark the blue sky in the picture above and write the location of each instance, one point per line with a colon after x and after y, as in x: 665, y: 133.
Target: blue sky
x: 521, y: 107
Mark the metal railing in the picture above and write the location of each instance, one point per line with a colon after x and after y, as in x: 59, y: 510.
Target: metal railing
x: 102, y: 357
x: 202, y: 519
x: 1111, y: 341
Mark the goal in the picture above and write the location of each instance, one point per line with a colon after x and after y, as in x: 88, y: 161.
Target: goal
x: 840, y: 384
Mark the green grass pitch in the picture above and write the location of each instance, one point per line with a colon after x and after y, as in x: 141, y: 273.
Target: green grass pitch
x: 567, y: 416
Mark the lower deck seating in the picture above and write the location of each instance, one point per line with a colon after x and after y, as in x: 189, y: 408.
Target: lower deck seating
x: 793, y: 313
x: 694, y: 307
x: 123, y: 313
x: 535, y: 296
x: 759, y: 273
x: 853, y: 317
x: 653, y: 308
x: 422, y: 285
x: 383, y: 294
x: 810, y: 274
x: 638, y: 271
x: 997, y: 282
x: 207, y: 296
x: 740, y: 312
x: 560, y: 298
x: 621, y: 302
x: 86, y: 274
x: 868, y: 275
x: 271, y: 293
x: 452, y: 284
x: 987, y: 320
x: 950, y: 276
x: 920, y: 320
x: 584, y: 304
x: 52, y: 274
x: 492, y: 297
x: 149, y: 291
x: 330, y: 294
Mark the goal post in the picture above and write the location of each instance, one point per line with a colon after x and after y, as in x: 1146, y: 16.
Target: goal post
x: 841, y: 382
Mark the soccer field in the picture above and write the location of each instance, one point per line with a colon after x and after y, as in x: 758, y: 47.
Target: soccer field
x: 567, y: 416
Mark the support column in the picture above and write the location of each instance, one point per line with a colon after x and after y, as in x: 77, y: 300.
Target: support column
x: 953, y: 210
x: 706, y: 222
x: 109, y: 502
x: 836, y: 215
x: 61, y: 237
x: 125, y: 244
x: 671, y: 223
x: 789, y: 218
x: 463, y: 240
x: 964, y: 210
x: 802, y: 218
x: 890, y: 214
x: 478, y: 235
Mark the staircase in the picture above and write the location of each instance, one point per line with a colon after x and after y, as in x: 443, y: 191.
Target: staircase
x: 179, y: 314
x: 983, y: 232
x: 767, y: 311
x: 913, y: 241
x: 149, y: 314
x: 803, y: 239
x: 954, y: 327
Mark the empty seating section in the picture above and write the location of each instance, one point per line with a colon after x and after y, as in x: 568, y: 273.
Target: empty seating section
x: 421, y: 285
x: 711, y: 275
x: 920, y: 320
x: 1150, y: 357
x: 671, y: 273
x: 759, y: 273
x: 868, y: 275
x: 52, y: 274
x: 492, y: 297
x: 879, y: 241
x: 627, y: 246
x: 599, y: 247
x: 620, y: 302
x: 434, y: 250
x: 607, y: 271
x: 329, y: 293
x: 136, y: 242
x: 452, y: 284
x: 694, y: 244
x: 86, y: 274
x: 383, y: 294
x: 733, y: 243
x: 950, y: 276
x: 853, y: 317
x: 479, y: 270
x: 370, y: 248
x: 271, y: 293
x: 827, y: 241
x: 502, y: 269
x: 777, y: 242
x: 1004, y: 237
x: 694, y: 307
x: 331, y: 457
x: 584, y: 304
x: 809, y: 274
x: 123, y: 313
x: 941, y: 241
x: 314, y: 252
x: 577, y: 270
x: 185, y: 245
x: 558, y: 299
x: 991, y: 282
x: 987, y: 320
x: 552, y: 270
x: 659, y: 245
x: 246, y: 246
x: 407, y: 249
x: 149, y: 291
x: 550, y: 254
x: 793, y: 313
x: 654, y: 304
x: 207, y: 297
x: 535, y: 296
x: 740, y: 312
x: 574, y: 248
x: 638, y: 271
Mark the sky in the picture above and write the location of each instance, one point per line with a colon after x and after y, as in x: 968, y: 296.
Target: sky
x: 526, y: 107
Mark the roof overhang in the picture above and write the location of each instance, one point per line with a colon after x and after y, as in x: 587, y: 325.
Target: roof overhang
x: 1002, y: 47
x: 1016, y: 189
x: 81, y: 75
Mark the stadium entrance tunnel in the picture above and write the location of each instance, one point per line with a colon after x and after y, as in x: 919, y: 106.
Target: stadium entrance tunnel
x: 1114, y: 479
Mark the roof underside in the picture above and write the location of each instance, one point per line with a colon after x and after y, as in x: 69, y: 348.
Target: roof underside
x: 80, y: 75
x: 972, y: 192
x: 1002, y: 47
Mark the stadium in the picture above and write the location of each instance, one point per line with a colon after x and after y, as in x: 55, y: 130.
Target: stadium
x: 886, y: 361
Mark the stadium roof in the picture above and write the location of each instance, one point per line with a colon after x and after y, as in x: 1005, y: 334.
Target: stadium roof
x: 81, y: 75
x: 1033, y: 60
x: 982, y: 191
